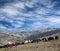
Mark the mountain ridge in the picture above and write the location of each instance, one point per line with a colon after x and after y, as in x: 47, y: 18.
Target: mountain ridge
x: 33, y: 34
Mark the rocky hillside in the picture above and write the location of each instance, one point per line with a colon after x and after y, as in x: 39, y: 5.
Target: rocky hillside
x: 41, y: 33
x: 40, y: 46
x: 4, y: 38
x: 32, y: 34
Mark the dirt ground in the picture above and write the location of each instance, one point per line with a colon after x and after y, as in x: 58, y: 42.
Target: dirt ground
x: 40, y: 46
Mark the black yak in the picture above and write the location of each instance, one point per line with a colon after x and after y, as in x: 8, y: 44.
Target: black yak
x: 50, y: 38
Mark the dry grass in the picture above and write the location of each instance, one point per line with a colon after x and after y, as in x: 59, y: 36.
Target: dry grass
x: 40, y: 46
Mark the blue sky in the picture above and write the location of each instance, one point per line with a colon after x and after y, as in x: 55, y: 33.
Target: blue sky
x: 29, y: 14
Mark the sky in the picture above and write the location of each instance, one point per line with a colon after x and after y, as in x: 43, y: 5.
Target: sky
x: 29, y: 14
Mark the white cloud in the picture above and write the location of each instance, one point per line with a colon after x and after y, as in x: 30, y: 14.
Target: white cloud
x: 54, y: 20
x: 57, y: 12
x: 16, y: 14
x: 2, y: 17
x: 29, y: 4
x: 10, y: 11
x: 15, y: 21
x: 17, y: 25
x: 48, y: 3
x: 36, y: 25
x: 42, y: 11
x: 51, y: 5
x: 2, y: 27
x: 20, y: 5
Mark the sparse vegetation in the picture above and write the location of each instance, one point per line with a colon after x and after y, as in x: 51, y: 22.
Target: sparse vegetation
x: 40, y: 46
x: 45, y: 43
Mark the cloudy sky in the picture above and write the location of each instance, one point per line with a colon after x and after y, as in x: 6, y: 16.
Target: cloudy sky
x: 29, y: 14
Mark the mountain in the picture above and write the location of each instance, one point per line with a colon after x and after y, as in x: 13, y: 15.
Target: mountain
x: 31, y: 34
x: 4, y: 38
x: 34, y: 32
x: 42, y: 33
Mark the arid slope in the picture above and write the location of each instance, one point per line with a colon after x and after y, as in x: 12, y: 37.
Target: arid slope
x: 40, y: 46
